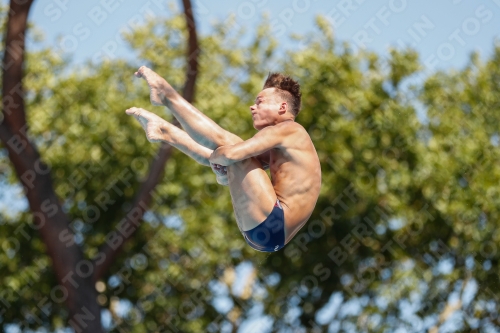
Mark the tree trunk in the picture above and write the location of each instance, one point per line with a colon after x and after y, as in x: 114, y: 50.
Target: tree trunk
x: 72, y: 271
x: 75, y: 274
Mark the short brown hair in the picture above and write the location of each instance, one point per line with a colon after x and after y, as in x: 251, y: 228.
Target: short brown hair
x: 288, y: 88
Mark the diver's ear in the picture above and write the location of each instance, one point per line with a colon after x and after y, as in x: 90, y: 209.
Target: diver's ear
x: 283, y: 107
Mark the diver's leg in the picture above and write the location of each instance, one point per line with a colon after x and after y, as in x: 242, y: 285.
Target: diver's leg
x: 159, y: 130
x: 200, y: 127
x: 252, y: 193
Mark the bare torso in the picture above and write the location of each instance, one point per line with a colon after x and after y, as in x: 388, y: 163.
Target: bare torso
x: 296, y: 178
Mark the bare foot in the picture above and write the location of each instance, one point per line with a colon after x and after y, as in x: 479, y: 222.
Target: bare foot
x: 153, y: 125
x: 157, y: 85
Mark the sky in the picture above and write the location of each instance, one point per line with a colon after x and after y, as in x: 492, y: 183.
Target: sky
x: 444, y: 33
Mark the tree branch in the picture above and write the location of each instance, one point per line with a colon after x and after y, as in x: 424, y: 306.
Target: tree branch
x: 49, y: 218
x: 192, y: 53
x: 110, y: 250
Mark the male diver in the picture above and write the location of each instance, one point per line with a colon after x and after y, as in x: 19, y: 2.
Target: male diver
x: 269, y: 212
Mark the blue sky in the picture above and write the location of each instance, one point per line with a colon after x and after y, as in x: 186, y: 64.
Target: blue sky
x: 444, y: 32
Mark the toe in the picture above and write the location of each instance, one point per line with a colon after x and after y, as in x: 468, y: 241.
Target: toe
x: 140, y: 71
x: 132, y: 111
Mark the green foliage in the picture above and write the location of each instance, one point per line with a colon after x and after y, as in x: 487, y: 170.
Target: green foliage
x: 407, y: 214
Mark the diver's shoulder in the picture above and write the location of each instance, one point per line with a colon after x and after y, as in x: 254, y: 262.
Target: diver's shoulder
x: 294, y: 135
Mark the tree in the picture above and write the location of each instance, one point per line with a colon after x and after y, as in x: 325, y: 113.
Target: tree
x: 403, y: 234
x: 405, y: 221
x: 75, y: 274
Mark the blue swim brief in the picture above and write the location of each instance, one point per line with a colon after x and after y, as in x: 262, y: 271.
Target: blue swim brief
x: 269, y: 236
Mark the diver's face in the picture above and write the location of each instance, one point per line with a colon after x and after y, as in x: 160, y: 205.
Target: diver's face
x: 265, y: 109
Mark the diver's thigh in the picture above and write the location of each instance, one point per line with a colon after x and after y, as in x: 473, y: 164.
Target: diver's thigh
x: 252, y: 192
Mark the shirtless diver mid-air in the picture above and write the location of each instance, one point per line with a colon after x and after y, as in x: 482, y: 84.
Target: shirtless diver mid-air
x: 269, y: 212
